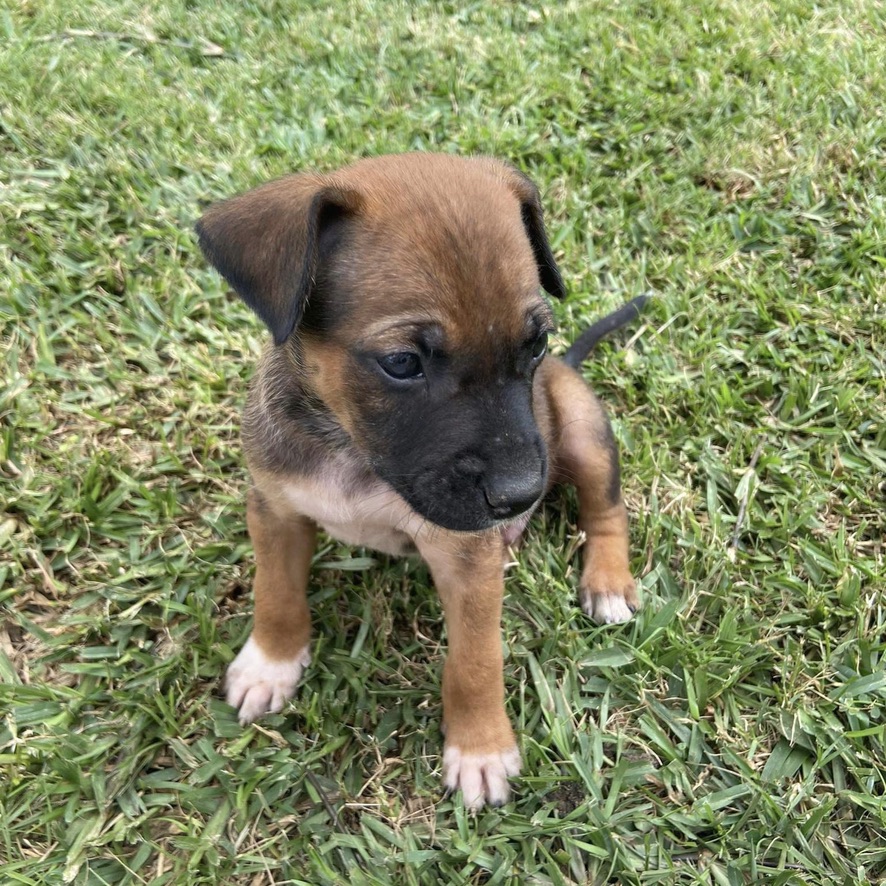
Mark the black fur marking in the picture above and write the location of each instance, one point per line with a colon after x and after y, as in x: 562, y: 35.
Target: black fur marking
x: 548, y: 272
x: 465, y: 456
x: 257, y: 500
x: 533, y: 222
x: 326, y: 306
x: 607, y: 442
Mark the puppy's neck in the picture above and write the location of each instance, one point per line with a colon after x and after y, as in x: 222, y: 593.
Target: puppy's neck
x: 303, y: 404
x: 286, y: 426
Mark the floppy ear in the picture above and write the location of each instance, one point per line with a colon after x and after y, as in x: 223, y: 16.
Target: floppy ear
x: 267, y: 243
x: 533, y: 221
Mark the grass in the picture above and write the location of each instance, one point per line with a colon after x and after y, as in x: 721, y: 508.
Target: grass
x: 728, y: 156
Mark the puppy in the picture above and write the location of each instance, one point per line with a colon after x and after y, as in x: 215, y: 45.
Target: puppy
x: 408, y: 404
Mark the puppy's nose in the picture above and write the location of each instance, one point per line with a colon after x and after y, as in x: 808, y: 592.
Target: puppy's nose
x: 509, y: 495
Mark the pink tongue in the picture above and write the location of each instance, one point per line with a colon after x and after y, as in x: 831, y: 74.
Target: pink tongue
x: 511, y: 533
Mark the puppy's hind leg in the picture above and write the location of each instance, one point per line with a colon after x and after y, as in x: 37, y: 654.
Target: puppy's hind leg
x: 586, y: 455
x: 263, y: 677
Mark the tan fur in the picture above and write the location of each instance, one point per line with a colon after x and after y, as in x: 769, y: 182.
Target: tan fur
x: 283, y: 544
x: 468, y: 576
x: 581, y: 460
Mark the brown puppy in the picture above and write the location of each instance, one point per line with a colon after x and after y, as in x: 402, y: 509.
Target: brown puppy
x: 407, y: 404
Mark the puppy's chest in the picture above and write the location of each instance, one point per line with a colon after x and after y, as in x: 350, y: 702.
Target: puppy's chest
x: 355, y: 510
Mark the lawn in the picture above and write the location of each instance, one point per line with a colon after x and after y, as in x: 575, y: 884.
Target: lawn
x: 729, y: 157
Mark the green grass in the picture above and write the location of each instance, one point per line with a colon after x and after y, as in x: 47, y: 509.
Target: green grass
x: 731, y: 157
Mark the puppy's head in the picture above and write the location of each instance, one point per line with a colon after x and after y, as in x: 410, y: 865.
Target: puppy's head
x: 409, y: 287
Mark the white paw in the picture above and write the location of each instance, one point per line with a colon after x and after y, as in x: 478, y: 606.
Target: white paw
x: 608, y: 609
x: 256, y: 684
x: 483, y: 778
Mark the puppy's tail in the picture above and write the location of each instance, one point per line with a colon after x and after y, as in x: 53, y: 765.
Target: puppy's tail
x: 578, y: 351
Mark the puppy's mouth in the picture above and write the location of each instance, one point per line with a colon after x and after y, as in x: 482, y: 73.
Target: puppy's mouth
x: 452, y: 501
x: 513, y: 529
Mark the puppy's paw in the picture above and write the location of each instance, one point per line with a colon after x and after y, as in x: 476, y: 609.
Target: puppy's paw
x: 610, y: 602
x: 482, y: 778
x: 256, y: 684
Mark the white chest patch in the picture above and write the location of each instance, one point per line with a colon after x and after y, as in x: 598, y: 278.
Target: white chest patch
x: 368, y: 514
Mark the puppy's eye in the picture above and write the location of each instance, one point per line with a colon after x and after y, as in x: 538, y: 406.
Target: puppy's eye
x: 539, y: 347
x: 402, y: 366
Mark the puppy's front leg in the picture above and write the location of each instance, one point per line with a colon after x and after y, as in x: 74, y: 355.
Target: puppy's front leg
x: 480, y: 750
x: 263, y: 677
x: 585, y: 453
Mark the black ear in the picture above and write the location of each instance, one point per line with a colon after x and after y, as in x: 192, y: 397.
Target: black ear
x: 548, y: 272
x: 265, y: 243
x: 533, y: 221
